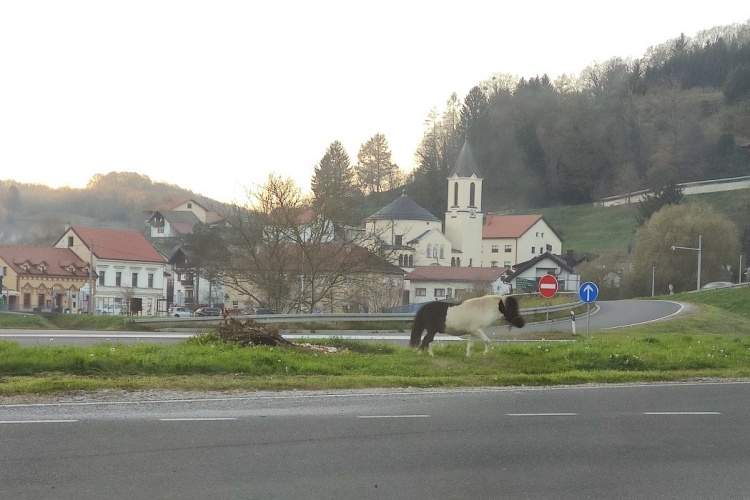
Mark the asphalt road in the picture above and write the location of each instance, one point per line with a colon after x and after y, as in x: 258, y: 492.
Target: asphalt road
x: 674, y: 441
x: 604, y: 315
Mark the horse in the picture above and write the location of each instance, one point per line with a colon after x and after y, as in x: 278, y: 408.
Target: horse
x: 463, y: 320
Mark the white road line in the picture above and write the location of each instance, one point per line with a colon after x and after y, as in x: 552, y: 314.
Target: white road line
x: 681, y: 413
x: 196, y: 419
x: 541, y: 414
x: 37, y: 421
x: 392, y: 416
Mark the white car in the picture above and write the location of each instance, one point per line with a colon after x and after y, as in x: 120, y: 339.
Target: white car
x: 178, y: 311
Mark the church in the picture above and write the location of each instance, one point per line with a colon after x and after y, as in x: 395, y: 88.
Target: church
x: 471, y: 250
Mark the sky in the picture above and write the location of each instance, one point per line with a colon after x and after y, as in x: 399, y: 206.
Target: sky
x: 213, y: 96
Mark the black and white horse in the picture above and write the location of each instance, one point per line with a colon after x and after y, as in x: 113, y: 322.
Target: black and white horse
x: 463, y: 320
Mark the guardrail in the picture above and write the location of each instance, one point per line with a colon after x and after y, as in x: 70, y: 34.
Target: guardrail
x: 329, y: 317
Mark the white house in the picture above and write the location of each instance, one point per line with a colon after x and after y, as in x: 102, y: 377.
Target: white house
x: 130, y: 271
x: 508, y: 240
x: 524, y: 276
x: 177, y: 218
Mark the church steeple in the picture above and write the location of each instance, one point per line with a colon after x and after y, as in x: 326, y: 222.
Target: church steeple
x: 463, y: 218
x: 465, y: 183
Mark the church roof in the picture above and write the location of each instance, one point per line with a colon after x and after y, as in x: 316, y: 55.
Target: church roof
x: 403, y: 208
x: 466, y: 165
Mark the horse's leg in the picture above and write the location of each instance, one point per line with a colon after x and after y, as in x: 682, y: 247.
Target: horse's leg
x: 485, y: 339
x: 427, y: 340
x: 469, y: 345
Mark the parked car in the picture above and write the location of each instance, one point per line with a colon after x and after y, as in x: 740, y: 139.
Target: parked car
x: 208, y: 311
x: 717, y: 284
x: 264, y: 310
x: 179, y: 311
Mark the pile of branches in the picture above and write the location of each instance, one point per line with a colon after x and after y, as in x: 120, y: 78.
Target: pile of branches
x: 250, y: 333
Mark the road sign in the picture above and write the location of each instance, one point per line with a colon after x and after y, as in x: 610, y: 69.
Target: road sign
x: 548, y: 286
x: 588, y: 292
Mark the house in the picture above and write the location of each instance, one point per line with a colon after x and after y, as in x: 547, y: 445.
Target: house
x: 508, y: 240
x: 130, y: 271
x: 424, y: 284
x: 524, y: 277
x: 176, y: 218
x: 169, y: 224
x: 43, y: 279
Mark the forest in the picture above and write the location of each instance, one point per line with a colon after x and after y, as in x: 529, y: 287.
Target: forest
x: 680, y: 113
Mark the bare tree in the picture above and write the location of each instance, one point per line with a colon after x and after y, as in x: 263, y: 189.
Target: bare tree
x: 287, y: 256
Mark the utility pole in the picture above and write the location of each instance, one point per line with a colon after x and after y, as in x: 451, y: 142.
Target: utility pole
x: 91, y: 279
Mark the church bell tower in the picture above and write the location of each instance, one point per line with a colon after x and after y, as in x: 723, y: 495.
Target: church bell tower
x: 464, y: 217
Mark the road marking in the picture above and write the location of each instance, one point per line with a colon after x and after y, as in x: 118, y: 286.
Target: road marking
x: 541, y: 414
x: 393, y: 416
x: 196, y: 419
x: 681, y: 413
x: 37, y: 421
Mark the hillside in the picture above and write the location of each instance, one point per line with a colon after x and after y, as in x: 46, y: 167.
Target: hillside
x: 594, y: 229
x: 34, y: 214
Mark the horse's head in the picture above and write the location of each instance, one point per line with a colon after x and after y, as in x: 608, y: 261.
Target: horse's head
x: 508, y: 306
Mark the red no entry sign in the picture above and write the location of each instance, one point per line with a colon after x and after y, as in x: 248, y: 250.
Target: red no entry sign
x: 548, y: 286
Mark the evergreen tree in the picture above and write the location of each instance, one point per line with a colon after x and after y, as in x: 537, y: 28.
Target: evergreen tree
x: 333, y: 184
x: 375, y: 171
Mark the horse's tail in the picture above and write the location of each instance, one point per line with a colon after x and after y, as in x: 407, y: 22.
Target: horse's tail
x: 417, y: 327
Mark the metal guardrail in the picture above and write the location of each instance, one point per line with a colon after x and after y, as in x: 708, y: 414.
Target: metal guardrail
x: 328, y: 317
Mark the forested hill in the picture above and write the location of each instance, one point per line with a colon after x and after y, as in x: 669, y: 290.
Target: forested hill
x: 680, y: 113
x: 34, y: 214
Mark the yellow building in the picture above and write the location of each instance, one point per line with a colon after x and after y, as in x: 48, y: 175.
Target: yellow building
x: 42, y: 279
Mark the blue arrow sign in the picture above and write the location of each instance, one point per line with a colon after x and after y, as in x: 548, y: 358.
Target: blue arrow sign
x: 588, y: 292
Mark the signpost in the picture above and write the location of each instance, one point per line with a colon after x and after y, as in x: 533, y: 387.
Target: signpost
x: 547, y: 289
x: 588, y: 292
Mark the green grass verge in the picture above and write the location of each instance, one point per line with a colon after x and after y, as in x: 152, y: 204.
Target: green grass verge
x: 712, y: 341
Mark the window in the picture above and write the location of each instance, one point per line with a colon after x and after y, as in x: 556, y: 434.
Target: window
x: 190, y: 205
x: 151, y: 280
x: 472, y: 193
x: 399, y: 239
x: 506, y: 263
x: 118, y: 278
x: 493, y: 263
x: 442, y: 251
x: 440, y: 292
x: 533, y: 249
x: 428, y: 254
x: 508, y: 248
x: 70, y: 241
x: 101, y: 278
x: 455, y: 194
x: 134, y: 280
x: 495, y: 248
x: 160, y: 230
x: 420, y: 292
x: 435, y: 251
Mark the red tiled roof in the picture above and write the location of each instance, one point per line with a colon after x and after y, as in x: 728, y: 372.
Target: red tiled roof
x: 444, y: 273
x: 508, y: 226
x: 58, y: 260
x: 114, y: 244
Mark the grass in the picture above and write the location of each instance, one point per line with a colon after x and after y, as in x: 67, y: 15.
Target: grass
x: 711, y: 342
x: 588, y: 228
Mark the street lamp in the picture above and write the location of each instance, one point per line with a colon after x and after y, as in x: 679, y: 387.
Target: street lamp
x: 700, y: 251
